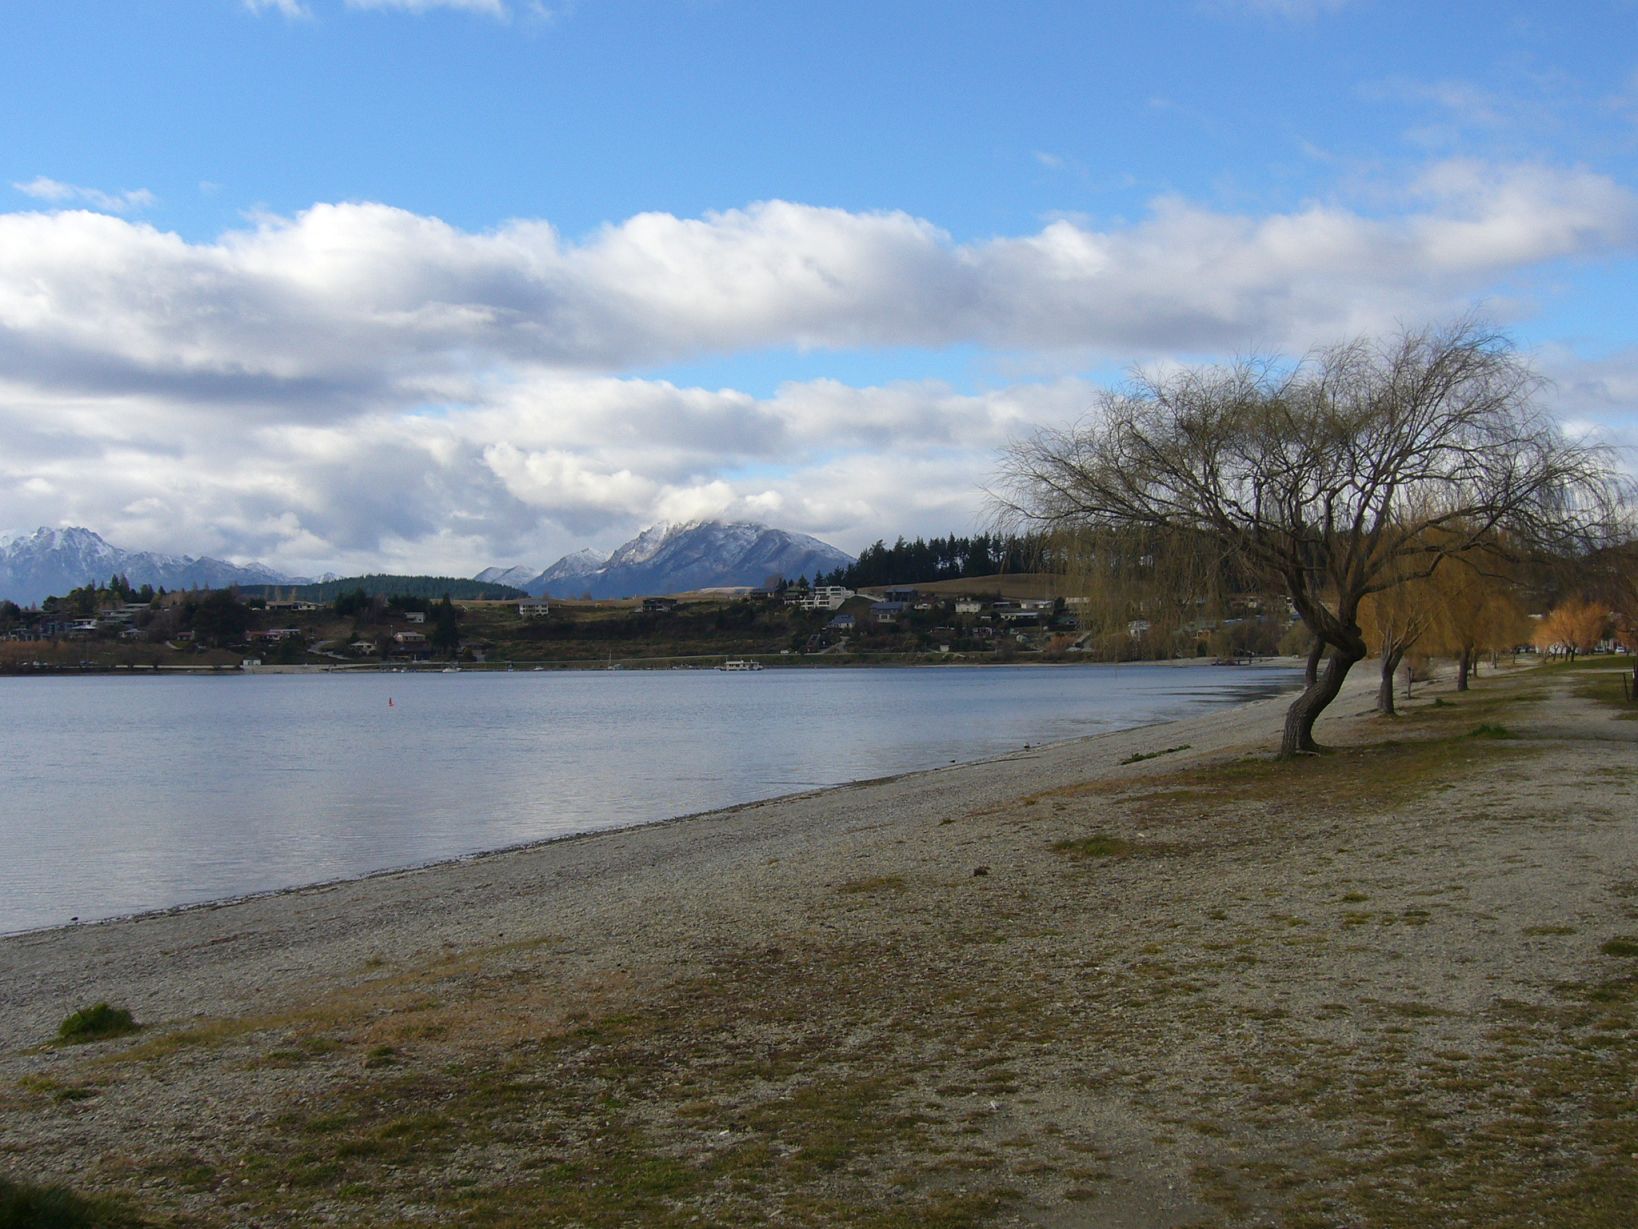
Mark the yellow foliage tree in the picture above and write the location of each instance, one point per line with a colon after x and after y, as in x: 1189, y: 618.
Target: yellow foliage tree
x: 1473, y: 612
x: 1573, y: 626
x: 1393, y: 621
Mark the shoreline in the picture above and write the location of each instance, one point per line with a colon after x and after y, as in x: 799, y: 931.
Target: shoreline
x: 1144, y: 979
x: 771, y: 661
x: 434, y: 864
x: 102, y: 945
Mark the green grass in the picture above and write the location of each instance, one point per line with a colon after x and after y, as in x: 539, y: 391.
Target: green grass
x: 25, y: 1205
x: 1098, y: 845
x: 873, y: 883
x: 1139, y: 756
x: 96, y: 1023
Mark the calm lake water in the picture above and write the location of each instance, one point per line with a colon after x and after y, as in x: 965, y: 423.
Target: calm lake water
x: 121, y: 795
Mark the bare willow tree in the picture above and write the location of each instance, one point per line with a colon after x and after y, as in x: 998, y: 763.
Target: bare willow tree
x: 1366, y: 465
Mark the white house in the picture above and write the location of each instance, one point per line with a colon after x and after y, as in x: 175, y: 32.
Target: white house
x: 821, y: 597
x: 534, y: 607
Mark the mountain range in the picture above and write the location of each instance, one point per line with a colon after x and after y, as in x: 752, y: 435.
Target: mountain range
x: 664, y: 558
x: 51, y: 562
x: 668, y: 558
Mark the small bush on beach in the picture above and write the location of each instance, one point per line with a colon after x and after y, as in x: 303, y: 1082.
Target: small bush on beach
x: 1139, y: 756
x: 23, y: 1205
x: 1488, y: 730
x: 1098, y: 845
x: 96, y: 1023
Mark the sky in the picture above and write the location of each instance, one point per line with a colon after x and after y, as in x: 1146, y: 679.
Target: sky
x: 434, y: 285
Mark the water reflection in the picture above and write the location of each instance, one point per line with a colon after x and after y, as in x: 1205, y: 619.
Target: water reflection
x: 123, y: 794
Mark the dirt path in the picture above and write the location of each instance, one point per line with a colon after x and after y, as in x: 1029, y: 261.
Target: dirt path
x: 1381, y: 987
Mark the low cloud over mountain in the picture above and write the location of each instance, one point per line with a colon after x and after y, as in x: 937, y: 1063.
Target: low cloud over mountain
x: 675, y: 558
x: 51, y: 562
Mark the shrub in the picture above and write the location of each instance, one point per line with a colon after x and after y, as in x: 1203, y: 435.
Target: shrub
x: 23, y: 1205
x: 96, y: 1023
x: 1098, y: 845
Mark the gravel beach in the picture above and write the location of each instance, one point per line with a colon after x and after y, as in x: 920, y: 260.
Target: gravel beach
x: 1146, y: 979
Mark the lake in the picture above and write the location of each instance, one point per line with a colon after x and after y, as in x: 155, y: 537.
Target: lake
x: 127, y: 794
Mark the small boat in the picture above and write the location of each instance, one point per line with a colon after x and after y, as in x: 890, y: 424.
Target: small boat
x: 739, y: 664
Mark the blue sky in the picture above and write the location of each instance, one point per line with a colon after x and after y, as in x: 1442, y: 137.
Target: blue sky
x: 409, y: 283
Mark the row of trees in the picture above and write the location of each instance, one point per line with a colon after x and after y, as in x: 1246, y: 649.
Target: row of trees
x: 1369, y: 468
x: 921, y: 561
x: 1573, y: 627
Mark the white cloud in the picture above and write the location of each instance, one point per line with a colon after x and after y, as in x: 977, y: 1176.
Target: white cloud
x: 58, y: 193
x: 348, y: 304
x: 292, y: 9
x: 361, y: 385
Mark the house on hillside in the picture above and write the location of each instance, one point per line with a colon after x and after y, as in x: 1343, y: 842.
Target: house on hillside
x: 820, y: 597
x: 659, y: 605
x: 409, y: 646
x: 534, y: 607
x: 274, y: 634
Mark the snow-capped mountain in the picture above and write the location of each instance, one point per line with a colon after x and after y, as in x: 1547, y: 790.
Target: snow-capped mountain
x: 517, y: 577
x: 667, y: 558
x: 50, y: 562
x: 563, y: 574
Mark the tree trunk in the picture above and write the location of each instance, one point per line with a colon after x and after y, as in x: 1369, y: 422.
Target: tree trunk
x: 1298, y: 738
x: 1310, y: 671
x: 1384, y: 692
x: 1464, y: 662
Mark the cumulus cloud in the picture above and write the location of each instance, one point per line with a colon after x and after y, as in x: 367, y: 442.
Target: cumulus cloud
x: 352, y: 304
x: 59, y: 193
x: 362, y: 384
x: 529, y: 471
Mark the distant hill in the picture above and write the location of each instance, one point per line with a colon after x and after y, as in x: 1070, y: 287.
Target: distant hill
x: 459, y: 589
x: 668, y: 558
x: 51, y: 562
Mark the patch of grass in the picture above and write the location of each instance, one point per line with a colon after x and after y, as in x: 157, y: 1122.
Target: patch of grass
x: 96, y: 1023
x: 1489, y: 729
x: 1098, y: 845
x: 25, y: 1205
x: 57, y: 1090
x: 1620, y: 947
x: 1541, y: 931
x: 875, y: 883
x: 1139, y: 756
